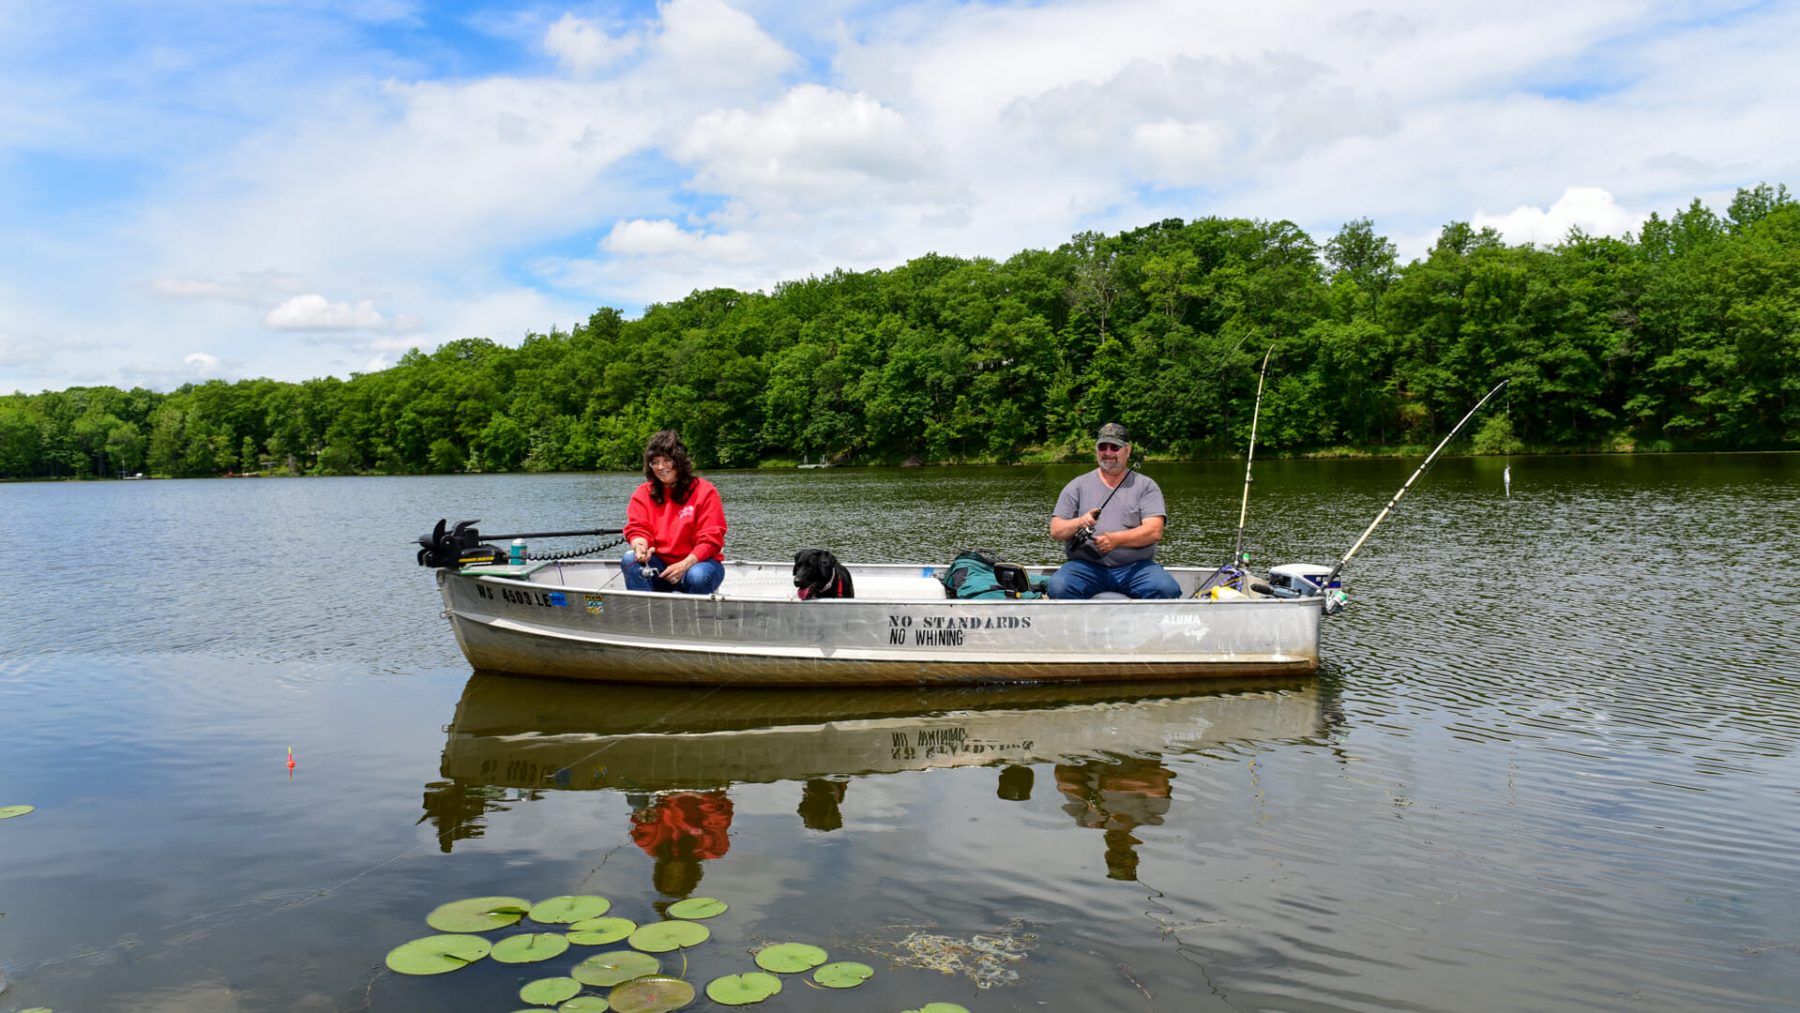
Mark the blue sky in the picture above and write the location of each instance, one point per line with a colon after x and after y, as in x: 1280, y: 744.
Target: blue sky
x: 236, y: 189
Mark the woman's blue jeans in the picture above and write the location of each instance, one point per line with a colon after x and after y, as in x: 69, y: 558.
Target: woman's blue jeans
x: 703, y: 577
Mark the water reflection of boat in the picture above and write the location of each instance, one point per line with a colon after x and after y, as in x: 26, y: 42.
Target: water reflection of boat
x: 544, y: 734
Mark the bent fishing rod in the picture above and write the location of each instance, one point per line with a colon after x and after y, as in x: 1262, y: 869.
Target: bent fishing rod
x: 1324, y: 586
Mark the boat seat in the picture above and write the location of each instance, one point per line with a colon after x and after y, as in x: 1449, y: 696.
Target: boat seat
x: 1117, y: 595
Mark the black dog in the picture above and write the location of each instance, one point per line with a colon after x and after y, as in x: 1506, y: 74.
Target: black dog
x: 818, y: 574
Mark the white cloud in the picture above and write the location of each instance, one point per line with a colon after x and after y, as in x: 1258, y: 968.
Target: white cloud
x: 711, y: 45
x: 202, y: 363
x: 1590, y: 209
x: 815, y: 145
x: 583, y: 47
x: 313, y: 312
x: 266, y: 159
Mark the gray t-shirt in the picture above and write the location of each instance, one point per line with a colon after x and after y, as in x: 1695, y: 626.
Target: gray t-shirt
x: 1138, y: 497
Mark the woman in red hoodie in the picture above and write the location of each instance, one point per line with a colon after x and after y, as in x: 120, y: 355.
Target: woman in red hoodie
x: 675, y: 524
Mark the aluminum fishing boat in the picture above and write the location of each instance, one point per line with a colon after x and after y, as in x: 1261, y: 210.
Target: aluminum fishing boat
x: 575, y: 619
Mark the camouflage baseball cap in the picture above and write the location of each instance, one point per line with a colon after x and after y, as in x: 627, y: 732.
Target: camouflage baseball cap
x: 1112, y: 432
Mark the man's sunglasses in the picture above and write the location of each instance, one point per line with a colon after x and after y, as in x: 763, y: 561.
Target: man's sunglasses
x: 1112, y: 448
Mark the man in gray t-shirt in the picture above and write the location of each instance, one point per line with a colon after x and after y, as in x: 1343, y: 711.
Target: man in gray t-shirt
x: 1124, y: 511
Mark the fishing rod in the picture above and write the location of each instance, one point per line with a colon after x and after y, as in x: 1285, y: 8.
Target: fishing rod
x: 1325, y: 585
x: 1237, y: 554
x: 559, y: 534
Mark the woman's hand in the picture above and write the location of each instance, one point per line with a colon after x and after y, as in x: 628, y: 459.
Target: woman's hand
x: 672, y: 573
x: 641, y: 548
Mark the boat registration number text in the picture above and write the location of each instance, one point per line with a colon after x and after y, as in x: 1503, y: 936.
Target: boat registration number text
x: 547, y: 599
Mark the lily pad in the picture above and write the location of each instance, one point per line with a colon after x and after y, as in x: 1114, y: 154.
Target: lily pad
x: 437, y: 954
x: 742, y: 989
x: 661, y: 937
x: 584, y: 1004
x: 530, y: 947
x: 549, y: 991
x: 698, y: 907
x: 789, y: 958
x: 615, y: 966
x: 600, y: 931
x: 940, y: 1007
x: 657, y: 994
x: 7, y: 812
x: 562, y: 910
x: 843, y: 974
x: 477, y: 914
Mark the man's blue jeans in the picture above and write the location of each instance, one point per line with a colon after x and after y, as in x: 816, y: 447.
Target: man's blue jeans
x: 1079, y: 578
x: 703, y: 577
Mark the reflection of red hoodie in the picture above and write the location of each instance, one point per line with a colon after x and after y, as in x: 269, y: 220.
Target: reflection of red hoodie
x: 684, y: 824
x: 676, y: 529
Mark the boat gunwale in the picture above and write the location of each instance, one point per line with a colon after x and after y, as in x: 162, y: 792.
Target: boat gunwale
x: 1185, y: 600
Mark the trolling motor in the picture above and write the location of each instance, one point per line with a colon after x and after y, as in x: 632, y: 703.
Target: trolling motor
x: 462, y: 545
x: 458, y: 547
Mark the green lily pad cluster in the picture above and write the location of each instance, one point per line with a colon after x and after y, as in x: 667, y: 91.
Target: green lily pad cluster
x: 785, y: 958
x: 634, y: 976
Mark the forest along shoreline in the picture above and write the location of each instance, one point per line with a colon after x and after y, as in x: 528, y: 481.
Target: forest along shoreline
x: 1669, y: 339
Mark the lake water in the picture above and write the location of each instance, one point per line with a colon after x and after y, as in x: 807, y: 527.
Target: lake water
x: 1550, y: 762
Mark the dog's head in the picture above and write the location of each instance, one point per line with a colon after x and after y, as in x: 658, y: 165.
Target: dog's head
x: 813, y: 568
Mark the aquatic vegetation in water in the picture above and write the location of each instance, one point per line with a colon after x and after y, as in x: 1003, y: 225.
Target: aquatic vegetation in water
x: 655, y: 994
x: 437, y: 954
x: 600, y: 931
x: 563, y: 910
x: 549, y: 991
x: 607, y: 969
x: 698, y: 907
x: 529, y: 947
x: 982, y: 958
x: 662, y: 937
x: 789, y: 958
x: 742, y: 989
x: 843, y: 974
x: 7, y: 812
x: 635, y: 976
x: 940, y: 1007
x: 478, y: 914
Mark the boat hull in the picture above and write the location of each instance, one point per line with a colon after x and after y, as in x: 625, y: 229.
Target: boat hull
x: 576, y: 621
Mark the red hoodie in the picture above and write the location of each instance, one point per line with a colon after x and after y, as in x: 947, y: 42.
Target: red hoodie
x: 676, y: 529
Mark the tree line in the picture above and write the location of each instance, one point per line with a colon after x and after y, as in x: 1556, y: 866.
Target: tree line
x: 1685, y: 335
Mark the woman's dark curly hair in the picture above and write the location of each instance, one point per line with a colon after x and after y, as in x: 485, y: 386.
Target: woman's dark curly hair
x: 668, y: 444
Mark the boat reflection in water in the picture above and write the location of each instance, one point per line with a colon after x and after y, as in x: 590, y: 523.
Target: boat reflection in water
x: 675, y: 752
